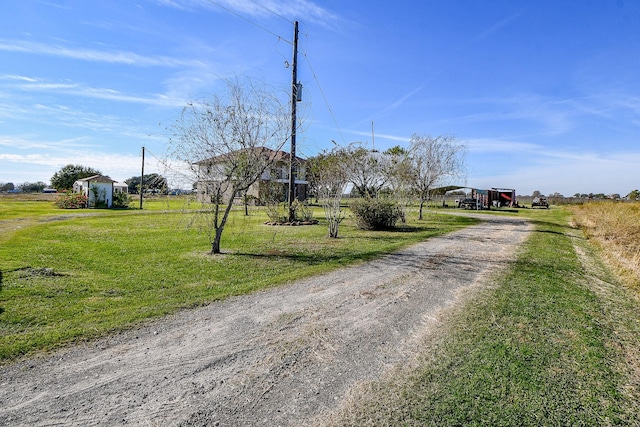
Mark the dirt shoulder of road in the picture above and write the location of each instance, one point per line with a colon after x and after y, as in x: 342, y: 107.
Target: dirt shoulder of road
x: 278, y: 357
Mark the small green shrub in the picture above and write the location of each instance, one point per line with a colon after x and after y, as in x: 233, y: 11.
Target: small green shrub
x: 375, y: 214
x: 71, y: 200
x: 279, y: 212
x: 120, y: 200
x: 99, y: 197
x: 301, y: 211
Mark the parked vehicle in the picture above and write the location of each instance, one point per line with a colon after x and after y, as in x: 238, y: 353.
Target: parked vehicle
x: 468, y: 204
x: 540, y: 202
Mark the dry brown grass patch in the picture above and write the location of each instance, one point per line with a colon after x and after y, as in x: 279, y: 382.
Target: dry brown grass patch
x: 616, y: 228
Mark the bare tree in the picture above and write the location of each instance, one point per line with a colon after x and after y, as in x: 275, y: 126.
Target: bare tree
x: 398, y: 177
x: 367, y: 170
x: 331, y: 172
x: 229, y: 142
x: 434, y: 162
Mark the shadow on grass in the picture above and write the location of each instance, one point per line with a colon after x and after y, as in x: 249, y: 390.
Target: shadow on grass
x: 551, y: 227
x: 313, y: 259
x: 405, y: 229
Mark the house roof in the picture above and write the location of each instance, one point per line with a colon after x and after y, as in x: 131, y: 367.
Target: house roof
x: 276, y: 155
x: 96, y: 178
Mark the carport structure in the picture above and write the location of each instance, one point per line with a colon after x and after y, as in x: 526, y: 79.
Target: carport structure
x: 495, y: 197
x: 485, y: 199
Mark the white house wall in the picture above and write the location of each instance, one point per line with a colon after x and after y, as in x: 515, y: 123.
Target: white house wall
x: 105, y: 188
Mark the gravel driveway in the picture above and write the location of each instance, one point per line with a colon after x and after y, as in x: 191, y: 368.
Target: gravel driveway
x: 278, y: 357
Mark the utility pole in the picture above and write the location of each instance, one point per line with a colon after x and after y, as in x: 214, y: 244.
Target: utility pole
x: 373, y: 139
x: 294, y: 100
x: 142, y: 178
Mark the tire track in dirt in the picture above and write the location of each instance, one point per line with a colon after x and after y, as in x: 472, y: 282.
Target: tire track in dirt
x: 277, y: 357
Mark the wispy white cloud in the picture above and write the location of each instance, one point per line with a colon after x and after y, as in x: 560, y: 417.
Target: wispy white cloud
x: 26, y: 143
x: 400, y: 101
x: 544, y: 154
x: 40, y: 165
x: 568, y: 173
x: 488, y: 145
x: 288, y: 9
x: 13, y: 77
x: 93, y: 55
x: 544, y: 115
x: 67, y: 118
x: 498, y: 26
x: 77, y: 89
x: 528, y: 167
x: 102, y: 160
x: 380, y: 136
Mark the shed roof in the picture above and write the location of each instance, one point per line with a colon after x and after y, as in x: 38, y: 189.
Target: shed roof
x: 97, y: 178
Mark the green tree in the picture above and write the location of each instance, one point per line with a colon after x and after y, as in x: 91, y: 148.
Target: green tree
x: 32, y: 187
x: 65, y: 177
x: 634, y: 195
x: 153, y: 182
x: 9, y: 186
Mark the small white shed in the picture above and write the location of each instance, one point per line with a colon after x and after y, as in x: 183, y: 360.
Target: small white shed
x: 97, y: 188
x: 120, y: 187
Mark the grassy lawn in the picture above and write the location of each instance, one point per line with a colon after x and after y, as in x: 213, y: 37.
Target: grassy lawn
x: 552, y: 342
x: 75, y: 275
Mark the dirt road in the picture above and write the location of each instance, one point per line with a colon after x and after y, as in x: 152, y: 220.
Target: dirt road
x: 278, y: 357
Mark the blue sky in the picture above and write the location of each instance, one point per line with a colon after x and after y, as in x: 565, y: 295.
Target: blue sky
x: 545, y: 94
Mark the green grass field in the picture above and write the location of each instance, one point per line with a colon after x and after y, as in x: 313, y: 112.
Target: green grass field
x: 554, y: 340
x: 75, y: 275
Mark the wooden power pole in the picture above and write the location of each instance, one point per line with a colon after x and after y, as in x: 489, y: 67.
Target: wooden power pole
x: 294, y: 100
x: 142, y: 178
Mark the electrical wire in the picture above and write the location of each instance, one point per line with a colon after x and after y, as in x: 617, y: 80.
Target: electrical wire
x: 250, y: 21
x: 315, y: 77
x: 324, y: 97
x: 271, y: 11
x: 163, y: 162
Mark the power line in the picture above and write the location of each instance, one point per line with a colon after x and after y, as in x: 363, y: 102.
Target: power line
x: 271, y: 11
x: 315, y: 78
x: 252, y: 22
x: 169, y: 167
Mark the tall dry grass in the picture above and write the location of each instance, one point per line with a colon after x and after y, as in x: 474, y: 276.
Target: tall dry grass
x: 616, y: 227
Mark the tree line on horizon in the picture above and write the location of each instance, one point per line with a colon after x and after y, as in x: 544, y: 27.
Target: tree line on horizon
x: 64, y: 179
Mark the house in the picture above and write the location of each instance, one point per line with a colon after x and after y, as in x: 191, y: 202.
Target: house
x: 120, y: 187
x: 274, y: 182
x: 97, y: 188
